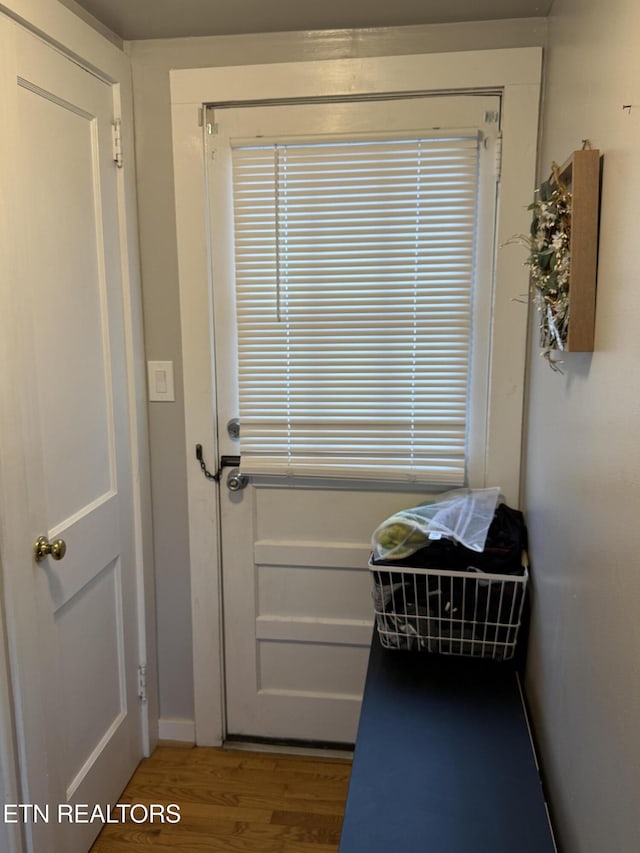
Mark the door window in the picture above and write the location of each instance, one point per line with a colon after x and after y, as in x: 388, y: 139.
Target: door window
x: 355, y: 269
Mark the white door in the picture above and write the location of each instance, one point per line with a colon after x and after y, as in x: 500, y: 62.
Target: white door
x: 296, y: 591
x: 65, y: 448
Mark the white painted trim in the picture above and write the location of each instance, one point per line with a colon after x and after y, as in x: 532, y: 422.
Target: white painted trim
x: 344, y: 555
x: 430, y: 72
x: 61, y: 28
x: 182, y: 731
x: 516, y: 73
x: 311, y: 629
x: 68, y: 33
x: 198, y: 377
x: 139, y: 430
x: 520, y: 108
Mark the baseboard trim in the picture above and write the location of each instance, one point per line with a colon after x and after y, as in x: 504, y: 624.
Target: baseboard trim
x: 182, y: 731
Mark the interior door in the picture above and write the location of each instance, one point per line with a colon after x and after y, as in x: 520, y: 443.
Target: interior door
x: 71, y: 610
x: 296, y: 591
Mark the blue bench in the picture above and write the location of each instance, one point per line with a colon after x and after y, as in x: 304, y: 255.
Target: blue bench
x: 443, y: 761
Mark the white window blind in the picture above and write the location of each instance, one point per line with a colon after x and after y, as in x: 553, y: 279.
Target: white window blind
x: 354, y: 267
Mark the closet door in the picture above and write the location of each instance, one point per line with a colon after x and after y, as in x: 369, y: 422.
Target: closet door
x: 68, y: 537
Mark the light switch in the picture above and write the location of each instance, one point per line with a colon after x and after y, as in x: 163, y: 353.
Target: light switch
x: 160, y: 378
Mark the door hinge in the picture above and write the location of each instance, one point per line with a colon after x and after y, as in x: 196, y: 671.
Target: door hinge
x: 142, y: 682
x: 116, y: 130
x: 498, y: 152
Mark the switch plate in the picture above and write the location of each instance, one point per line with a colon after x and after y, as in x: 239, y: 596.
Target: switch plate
x: 160, y: 379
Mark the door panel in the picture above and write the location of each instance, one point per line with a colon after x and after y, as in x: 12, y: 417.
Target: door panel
x: 89, y: 718
x: 69, y: 236
x: 296, y: 587
x: 74, y: 635
x: 298, y: 613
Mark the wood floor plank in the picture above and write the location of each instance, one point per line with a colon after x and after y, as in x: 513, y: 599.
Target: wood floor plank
x: 185, y: 794
x: 109, y: 845
x: 219, y: 781
x: 316, y: 788
x: 125, y: 835
x: 277, y: 780
x: 195, y: 757
x: 234, y: 801
x: 338, y: 767
x: 204, y: 813
x: 298, y: 847
x: 324, y: 821
x: 252, y: 836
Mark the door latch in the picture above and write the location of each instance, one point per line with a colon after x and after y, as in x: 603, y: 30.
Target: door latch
x: 225, y: 462
x: 215, y: 477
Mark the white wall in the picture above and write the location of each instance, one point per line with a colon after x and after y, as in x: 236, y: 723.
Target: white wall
x: 583, y: 464
x: 151, y: 63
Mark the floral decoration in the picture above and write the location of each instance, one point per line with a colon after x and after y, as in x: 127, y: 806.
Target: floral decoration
x: 550, y: 261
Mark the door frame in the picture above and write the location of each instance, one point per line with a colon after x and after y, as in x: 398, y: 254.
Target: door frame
x: 68, y: 34
x: 515, y: 74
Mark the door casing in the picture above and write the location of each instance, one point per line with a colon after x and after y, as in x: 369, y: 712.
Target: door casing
x: 515, y: 74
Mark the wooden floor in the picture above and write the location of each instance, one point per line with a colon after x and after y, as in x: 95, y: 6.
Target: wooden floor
x: 233, y: 801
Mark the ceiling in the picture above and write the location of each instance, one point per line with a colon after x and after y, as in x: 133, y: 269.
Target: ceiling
x: 145, y: 19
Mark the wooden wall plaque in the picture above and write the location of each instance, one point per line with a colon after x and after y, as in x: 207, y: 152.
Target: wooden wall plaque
x: 581, y: 174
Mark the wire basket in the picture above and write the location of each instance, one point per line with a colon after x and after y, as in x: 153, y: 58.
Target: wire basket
x: 474, y: 614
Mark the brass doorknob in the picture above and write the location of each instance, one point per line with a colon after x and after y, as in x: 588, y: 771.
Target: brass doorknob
x: 43, y: 548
